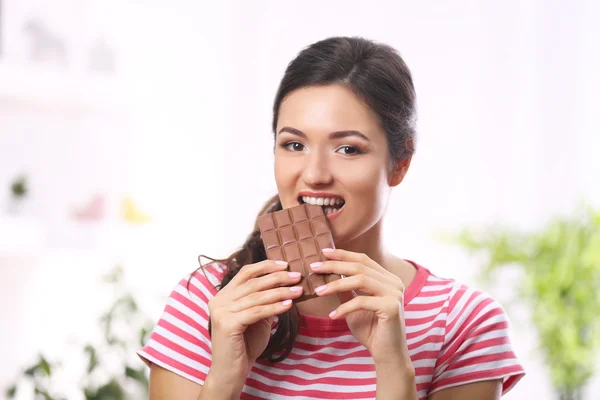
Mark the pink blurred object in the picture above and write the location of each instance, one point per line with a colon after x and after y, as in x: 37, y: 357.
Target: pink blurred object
x: 94, y: 211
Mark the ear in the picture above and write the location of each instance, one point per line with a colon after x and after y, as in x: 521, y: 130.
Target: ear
x: 399, y: 171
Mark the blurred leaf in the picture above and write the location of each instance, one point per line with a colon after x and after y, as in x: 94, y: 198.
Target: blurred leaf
x: 92, y: 357
x: 45, y: 366
x: 143, y: 336
x: 110, y: 391
x: 41, y: 393
x: 560, y: 266
x: 18, y: 187
x: 115, y: 276
x: 11, y: 391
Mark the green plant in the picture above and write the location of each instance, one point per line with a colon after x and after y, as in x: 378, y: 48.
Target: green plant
x: 19, y: 188
x: 112, y: 371
x: 559, y: 280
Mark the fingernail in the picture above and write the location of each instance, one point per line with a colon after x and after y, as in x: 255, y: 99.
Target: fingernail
x: 281, y: 263
x: 316, y: 265
x: 296, y: 288
x: 287, y: 302
x: 320, y: 289
x: 327, y: 250
x: 294, y: 274
x: 331, y: 314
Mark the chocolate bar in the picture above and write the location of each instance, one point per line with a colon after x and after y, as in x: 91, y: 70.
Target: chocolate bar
x: 297, y: 235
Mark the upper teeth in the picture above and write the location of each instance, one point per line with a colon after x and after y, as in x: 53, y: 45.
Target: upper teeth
x: 322, y: 201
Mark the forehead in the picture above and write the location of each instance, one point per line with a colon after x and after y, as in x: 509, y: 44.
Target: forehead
x: 326, y: 109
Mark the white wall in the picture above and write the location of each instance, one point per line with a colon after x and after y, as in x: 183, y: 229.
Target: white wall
x: 507, y: 132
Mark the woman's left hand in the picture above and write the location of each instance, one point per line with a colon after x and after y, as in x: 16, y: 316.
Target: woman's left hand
x: 376, y: 318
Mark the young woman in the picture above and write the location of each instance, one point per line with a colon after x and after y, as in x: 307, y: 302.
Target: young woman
x: 343, y: 122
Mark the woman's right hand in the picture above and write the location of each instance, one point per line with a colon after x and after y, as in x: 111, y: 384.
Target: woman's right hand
x: 242, y: 316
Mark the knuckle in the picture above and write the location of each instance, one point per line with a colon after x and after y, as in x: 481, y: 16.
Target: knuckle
x: 360, y: 280
x: 255, y: 297
x: 360, y: 301
x: 255, y: 311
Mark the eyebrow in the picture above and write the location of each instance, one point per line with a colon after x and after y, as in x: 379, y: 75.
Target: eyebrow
x: 332, y: 135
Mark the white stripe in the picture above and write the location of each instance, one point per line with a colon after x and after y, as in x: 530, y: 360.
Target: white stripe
x: 424, y: 362
x: 425, y: 347
x: 429, y: 299
x: 436, y: 288
x: 426, y: 325
x: 423, y: 314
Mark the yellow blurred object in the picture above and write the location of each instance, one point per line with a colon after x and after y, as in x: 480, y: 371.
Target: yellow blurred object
x: 132, y: 213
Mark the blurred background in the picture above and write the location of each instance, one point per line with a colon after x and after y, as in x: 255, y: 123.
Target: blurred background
x: 135, y: 135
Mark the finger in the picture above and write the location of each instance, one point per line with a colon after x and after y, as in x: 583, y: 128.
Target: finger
x: 350, y: 256
x: 269, y: 281
x: 255, y: 314
x: 386, y: 308
x: 363, y: 283
x: 364, y: 260
x: 253, y: 270
x: 266, y: 297
x: 346, y: 268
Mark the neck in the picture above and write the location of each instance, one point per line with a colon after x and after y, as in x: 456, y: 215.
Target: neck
x: 371, y: 244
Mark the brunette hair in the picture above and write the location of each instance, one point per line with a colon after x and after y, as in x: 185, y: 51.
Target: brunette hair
x: 377, y: 75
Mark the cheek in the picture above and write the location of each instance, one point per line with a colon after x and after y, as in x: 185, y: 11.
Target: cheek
x: 284, y: 173
x: 369, y: 186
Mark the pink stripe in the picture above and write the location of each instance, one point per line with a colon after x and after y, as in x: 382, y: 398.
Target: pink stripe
x: 174, y: 363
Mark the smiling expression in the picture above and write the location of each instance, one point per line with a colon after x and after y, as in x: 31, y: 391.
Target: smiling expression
x: 330, y: 145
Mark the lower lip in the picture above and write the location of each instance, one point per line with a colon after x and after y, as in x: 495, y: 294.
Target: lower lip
x: 334, y: 215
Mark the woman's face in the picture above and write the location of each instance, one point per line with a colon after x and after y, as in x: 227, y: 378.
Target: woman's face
x: 330, y: 145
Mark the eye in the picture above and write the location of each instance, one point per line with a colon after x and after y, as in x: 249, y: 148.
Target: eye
x: 293, y: 146
x: 351, y: 150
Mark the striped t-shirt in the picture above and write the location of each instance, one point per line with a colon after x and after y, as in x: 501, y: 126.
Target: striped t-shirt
x: 455, y: 335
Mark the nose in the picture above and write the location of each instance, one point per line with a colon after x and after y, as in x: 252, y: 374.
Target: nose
x: 316, y: 170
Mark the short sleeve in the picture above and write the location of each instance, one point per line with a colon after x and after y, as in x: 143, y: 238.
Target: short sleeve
x: 180, y: 341
x: 477, y: 344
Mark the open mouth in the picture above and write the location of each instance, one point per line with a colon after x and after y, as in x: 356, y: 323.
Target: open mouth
x: 330, y: 204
